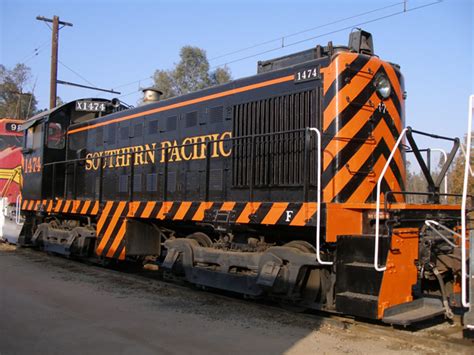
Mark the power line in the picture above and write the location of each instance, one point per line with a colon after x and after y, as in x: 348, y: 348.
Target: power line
x: 139, y: 88
x: 35, y: 52
x: 128, y: 94
x: 304, y: 40
x: 270, y: 41
x: 282, y: 38
x: 130, y: 83
x: 134, y: 82
x: 73, y: 71
x: 330, y: 32
x: 83, y: 78
x: 38, y: 49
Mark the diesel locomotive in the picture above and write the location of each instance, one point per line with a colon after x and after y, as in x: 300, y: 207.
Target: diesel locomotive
x: 289, y: 184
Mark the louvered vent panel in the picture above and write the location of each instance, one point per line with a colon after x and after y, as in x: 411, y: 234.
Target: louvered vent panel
x: 278, y: 157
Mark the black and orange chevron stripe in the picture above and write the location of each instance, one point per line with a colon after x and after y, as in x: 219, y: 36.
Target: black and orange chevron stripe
x: 112, y: 216
x: 268, y: 213
x: 82, y: 207
x: 360, y: 129
x: 111, y: 228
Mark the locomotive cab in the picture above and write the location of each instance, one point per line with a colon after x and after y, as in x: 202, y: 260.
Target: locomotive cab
x: 45, y: 143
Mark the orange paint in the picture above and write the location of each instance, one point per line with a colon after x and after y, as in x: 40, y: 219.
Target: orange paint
x: 307, y: 210
x: 250, y: 208
x: 227, y: 206
x: 352, y: 90
x: 401, y: 272
x: 118, y: 238
x: 86, y: 206
x: 103, y: 216
x: 165, y: 208
x: 132, y: 208
x: 183, y: 208
x: 57, y: 208
x: 111, y: 227
x: 342, y: 222
x: 95, y: 210
x: 275, y: 213
x: 150, y: 205
x: 199, y: 215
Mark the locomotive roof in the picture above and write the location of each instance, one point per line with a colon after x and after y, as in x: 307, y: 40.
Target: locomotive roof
x: 44, y: 115
x: 267, y: 72
x: 256, y: 80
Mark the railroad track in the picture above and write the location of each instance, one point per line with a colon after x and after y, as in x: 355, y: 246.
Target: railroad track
x: 440, y: 337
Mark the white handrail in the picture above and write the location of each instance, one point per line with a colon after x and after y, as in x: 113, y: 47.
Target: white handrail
x: 18, y: 209
x: 377, y: 208
x: 429, y: 223
x: 467, y: 165
x: 463, y: 150
x: 445, y: 155
x: 318, y: 203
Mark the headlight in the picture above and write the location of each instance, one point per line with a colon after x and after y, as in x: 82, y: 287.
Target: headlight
x: 382, y: 86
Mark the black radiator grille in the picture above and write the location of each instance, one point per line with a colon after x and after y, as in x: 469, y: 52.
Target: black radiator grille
x: 278, y: 158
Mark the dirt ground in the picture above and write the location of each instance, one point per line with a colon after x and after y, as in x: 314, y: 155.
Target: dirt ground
x: 51, y: 305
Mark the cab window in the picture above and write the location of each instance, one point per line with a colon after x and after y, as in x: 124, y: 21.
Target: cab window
x: 33, y: 137
x: 55, y: 136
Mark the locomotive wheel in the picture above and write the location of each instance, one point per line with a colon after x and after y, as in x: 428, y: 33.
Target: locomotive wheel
x: 312, y: 280
x: 202, y: 239
x: 302, y: 246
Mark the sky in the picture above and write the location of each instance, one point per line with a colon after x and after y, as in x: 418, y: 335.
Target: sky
x: 115, y: 43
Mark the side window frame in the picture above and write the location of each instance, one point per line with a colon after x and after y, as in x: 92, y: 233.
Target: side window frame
x: 61, y: 139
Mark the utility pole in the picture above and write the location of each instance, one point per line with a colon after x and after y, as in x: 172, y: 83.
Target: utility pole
x: 54, y: 56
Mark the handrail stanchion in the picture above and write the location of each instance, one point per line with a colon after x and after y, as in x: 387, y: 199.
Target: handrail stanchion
x: 445, y: 155
x: 165, y: 181
x: 471, y: 171
x: 252, y: 167
x: 18, y: 209
x: 467, y: 165
x: 132, y: 176
x: 208, y: 170
x: 377, y: 207
x: 101, y: 179
x: 53, y: 185
x: 74, y: 181
x: 318, y: 202
x: 306, y: 159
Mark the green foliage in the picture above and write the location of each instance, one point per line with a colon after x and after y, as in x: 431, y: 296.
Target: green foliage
x: 14, y: 101
x: 456, y: 174
x: 417, y: 182
x: 192, y: 73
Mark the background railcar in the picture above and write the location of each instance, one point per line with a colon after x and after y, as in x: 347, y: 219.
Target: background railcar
x: 11, y: 141
x: 267, y: 185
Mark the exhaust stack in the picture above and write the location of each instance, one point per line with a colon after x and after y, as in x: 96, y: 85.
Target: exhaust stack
x: 151, y: 95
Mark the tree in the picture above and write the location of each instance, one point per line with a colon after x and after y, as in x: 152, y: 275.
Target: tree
x: 415, y: 182
x: 59, y: 101
x: 190, y: 74
x: 456, y: 174
x: 14, y: 101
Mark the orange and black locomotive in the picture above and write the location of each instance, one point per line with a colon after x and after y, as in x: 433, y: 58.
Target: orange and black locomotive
x: 288, y: 184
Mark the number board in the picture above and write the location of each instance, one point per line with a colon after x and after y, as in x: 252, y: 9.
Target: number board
x: 307, y: 75
x: 90, y: 106
x: 12, y: 127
